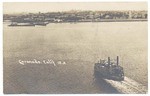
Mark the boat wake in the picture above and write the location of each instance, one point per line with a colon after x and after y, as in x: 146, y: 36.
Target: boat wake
x: 128, y: 86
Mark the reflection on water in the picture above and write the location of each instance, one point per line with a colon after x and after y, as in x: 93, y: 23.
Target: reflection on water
x: 80, y: 46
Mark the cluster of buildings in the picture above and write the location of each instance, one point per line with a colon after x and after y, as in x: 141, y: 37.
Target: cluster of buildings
x: 77, y: 16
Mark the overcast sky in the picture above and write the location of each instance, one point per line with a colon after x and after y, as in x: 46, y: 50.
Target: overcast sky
x: 52, y: 7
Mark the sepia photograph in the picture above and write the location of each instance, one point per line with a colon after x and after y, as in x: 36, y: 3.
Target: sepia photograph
x: 75, y: 47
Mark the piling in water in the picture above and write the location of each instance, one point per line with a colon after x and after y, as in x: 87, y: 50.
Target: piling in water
x: 117, y: 60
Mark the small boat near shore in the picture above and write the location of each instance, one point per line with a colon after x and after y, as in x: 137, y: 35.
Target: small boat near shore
x: 21, y: 24
x: 41, y: 23
x: 13, y: 24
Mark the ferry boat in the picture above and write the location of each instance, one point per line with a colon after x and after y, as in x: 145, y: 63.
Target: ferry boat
x: 109, y: 70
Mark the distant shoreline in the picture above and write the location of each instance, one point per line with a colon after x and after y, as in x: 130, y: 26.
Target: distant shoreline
x: 104, y: 20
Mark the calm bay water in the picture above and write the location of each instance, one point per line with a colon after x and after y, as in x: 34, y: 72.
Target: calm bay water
x: 79, y: 45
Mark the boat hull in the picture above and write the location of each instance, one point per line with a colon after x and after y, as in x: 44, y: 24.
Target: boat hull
x: 22, y: 25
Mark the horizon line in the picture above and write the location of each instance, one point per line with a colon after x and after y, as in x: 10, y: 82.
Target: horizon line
x: 68, y: 11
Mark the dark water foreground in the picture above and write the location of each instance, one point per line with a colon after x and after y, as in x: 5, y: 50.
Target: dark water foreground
x: 69, y: 78
x: 60, y: 79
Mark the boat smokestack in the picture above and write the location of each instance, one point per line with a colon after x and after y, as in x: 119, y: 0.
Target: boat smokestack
x: 109, y: 61
x: 117, y: 60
